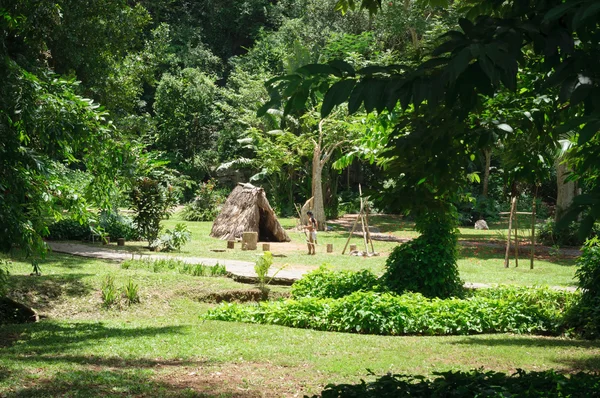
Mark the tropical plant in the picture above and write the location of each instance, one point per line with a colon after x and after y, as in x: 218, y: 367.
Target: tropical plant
x: 109, y: 292
x: 151, y: 202
x: 131, y: 292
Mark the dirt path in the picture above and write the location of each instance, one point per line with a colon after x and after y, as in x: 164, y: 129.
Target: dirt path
x: 242, y: 271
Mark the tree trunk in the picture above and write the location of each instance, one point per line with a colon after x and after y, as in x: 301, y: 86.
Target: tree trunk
x: 486, y: 172
x: 567, y: 190
x: 317, y: 188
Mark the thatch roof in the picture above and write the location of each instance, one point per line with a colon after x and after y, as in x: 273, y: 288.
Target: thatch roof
x: 247, y: 210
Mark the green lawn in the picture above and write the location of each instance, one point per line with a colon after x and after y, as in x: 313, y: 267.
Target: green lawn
x: 160, y: 347
x: 481, y: 265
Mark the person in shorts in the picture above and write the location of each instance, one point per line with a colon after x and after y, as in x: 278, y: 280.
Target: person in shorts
x: 312, y: 232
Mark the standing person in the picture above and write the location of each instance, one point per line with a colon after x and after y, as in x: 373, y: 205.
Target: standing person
x: 312, y: 232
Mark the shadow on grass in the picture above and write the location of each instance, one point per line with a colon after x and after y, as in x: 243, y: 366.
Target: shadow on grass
x: 493, y: 252
x: 41, y: 292
x: 582, y: 363
x: 120, y: 383
x: 49, y: 338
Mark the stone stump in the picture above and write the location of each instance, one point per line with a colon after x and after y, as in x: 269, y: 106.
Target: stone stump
x: 266, y: 247
x: 231, y: 244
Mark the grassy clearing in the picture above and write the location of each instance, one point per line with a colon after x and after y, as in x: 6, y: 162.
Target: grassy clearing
x: 160, y: 347
x: 476, y: 264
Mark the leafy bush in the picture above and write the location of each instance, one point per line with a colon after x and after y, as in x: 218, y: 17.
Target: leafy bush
x: 109, y: 292
x: 117, y: 226
x: 171, y: 264
x: 203, y: 270
x: 411, y: 313
x: 262, y: 266
x: 323, y: 283
x: 4, y: 278
x: 68, y: 229
x: 475, y: 383
x: 427, y: 264
x: 173, y: 240
x: 151, y: 202
x: 206, y: 204
x: 585, y: 316
x: 549, y: 235
x: 131, y: 293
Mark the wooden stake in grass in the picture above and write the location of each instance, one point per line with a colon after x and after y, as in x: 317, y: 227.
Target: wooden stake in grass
x: 510, y: 217
x: 516, y: 216
x: 533, y: 228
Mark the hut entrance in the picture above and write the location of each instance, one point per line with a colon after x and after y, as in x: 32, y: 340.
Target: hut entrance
x: 265, y: 234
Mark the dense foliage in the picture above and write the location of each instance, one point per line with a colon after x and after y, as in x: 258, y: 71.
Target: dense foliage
x: 324, y: 283
x: 475, y: 383
x: 537, y: 312
x: 427, y: 264
x: 585, y: 316
x: 152, y: 201
x: 206, y: 205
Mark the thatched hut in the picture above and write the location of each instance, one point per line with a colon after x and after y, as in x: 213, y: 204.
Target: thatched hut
x: 247, y: 210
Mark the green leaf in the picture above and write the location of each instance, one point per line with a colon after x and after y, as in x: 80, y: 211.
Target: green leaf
x: 585, y: 14
x: 586, y: 133
x: 337, y: 94
x: 318, y: 69
x: 505, y: 127
x: 559, y: 11
x: 356, y: 98
x: 342, y: 66
x: 580, y: 93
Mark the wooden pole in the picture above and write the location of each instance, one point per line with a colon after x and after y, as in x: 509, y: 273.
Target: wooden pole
x: 516, y: 236
x: 533, y: 229
x: 362, y: 221
x: 368, y: 230
x: 512, y: 208
x: 350, y: 236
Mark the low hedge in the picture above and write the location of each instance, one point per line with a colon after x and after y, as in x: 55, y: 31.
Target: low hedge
x: 475, y: 383
x: 324, y: 283
x: 412, y: 313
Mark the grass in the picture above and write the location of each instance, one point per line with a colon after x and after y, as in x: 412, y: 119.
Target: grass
x: 160, y: 347
x: 478, y: 264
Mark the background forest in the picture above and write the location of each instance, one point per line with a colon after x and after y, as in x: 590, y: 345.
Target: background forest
x: 97, y: 98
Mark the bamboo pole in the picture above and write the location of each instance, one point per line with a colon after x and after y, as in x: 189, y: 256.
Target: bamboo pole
x: 351, y: 232
x: 533, y: 209
x: 516, y: 236
x: 512, y: 208
x: 368, y: 228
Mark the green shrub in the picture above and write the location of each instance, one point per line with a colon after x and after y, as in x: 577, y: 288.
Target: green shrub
x: 203, y: 270
x: 411, y: 313
x: 324, y: 283
x: 549, y: 235
x: 117, y: 226
x: 131, y: 293
x: 4, y: 278
x: 151, y: 202
x: 427, y: 264
x: 475, y: 383
x: 109, y: 292
x: 206, y: 204
x: 68, y: 229
x: 173, y: 240
x: 585, y: 316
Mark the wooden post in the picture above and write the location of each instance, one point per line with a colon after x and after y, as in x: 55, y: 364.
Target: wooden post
x: 330, y: 248
x: 533, y: 230
x: 121, y: 242
x: 250, y: 239
x: 352, y: 248
x: 266, y: 247
x: 512, y: 209
x: 349, y: 237
x: 368, y: 230
x: 231, y: 244
x: 516, y: 216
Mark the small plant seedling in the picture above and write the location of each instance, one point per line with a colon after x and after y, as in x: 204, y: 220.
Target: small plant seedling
x: 131, y: 292
x: 109, y: 292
